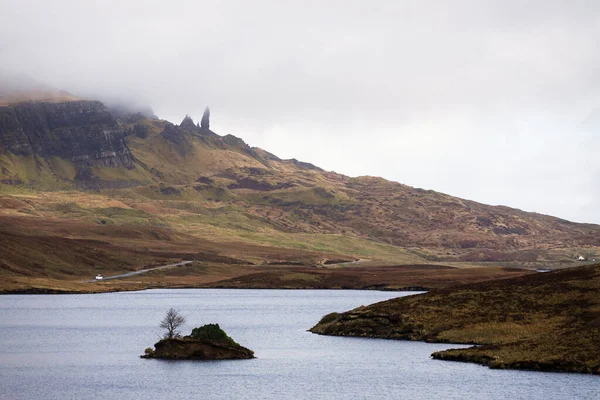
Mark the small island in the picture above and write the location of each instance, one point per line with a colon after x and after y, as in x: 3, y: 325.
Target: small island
x: 208, y: 342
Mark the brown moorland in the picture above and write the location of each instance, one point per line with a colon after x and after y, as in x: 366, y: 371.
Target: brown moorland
x: 85, y: 190
x: 54, y: 256
x: 544, y: 321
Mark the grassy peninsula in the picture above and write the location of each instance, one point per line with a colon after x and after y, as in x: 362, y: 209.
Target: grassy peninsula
x: 546, y: 321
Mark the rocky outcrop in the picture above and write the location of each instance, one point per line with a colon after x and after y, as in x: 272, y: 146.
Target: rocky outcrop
x: 205, y: 122
x: 181, y: 134
x: 173, y: 133
x: 188, y: 130
x: 140, y: 131
x: 84, y: 132
x: 188, y: 124
x: 187, y: 348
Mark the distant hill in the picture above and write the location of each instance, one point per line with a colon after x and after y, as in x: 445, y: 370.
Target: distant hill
x: 123, y: 169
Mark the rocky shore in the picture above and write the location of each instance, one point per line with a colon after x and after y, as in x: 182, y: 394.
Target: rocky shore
x: 208, y: 342
x: 194, y: 349
x: 480, y: 356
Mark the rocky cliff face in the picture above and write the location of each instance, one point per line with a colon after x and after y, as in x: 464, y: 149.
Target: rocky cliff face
x: 186, y: 129
x: 81, y: 131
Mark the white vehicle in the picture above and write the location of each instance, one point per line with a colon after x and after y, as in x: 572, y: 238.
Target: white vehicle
x: 99, y: 277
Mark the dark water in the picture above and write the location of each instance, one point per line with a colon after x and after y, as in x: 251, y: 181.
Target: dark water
x: 87, y: 346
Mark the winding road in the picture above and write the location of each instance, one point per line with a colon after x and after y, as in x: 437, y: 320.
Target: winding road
x: 141, y: 271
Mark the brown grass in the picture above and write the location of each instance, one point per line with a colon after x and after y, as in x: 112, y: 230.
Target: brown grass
x: 46, y: 96
x: 544, y: 321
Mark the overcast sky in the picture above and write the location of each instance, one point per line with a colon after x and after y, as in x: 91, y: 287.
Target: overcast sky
x: 494, y: 101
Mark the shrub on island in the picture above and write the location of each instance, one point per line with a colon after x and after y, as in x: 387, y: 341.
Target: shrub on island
x: 207, y: 342
x: 211, y: 332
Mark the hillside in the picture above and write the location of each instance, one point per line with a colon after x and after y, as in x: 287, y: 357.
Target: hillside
x: 547, y: 322
x: 78, y: 163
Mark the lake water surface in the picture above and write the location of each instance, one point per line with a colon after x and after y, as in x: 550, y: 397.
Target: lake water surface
x: 88, y: 347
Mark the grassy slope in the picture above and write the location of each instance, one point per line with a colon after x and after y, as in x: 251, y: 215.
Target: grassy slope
x: 256, y: 208
x: 274, y: 202
x: 546, y: 321
x: 314, y: 201
x: 53, y: 240
x: 191, y: 216
x: 46, y: 95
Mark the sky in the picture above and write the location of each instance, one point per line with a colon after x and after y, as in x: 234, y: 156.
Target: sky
x: 493, y: 101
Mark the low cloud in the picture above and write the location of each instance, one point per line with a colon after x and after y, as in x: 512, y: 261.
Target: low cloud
x: 496, y: 101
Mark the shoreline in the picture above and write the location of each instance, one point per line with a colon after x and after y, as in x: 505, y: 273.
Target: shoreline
x: 540, y: 322
x: 44, y: 291
x: 558, y: 366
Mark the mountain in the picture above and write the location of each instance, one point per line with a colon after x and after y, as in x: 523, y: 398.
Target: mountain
x: 122, y: 169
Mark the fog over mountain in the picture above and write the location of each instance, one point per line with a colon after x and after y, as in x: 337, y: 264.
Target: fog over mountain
x: 495, y: 101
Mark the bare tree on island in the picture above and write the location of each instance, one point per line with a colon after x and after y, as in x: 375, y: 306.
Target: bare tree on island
x: 171, y: 322
x: 205, y: 122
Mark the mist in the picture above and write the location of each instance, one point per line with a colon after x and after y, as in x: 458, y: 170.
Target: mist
x: 494, y: 101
